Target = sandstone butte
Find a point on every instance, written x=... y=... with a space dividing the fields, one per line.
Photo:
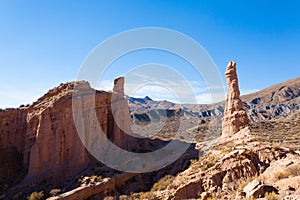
x=235 y=117
x=45 y=135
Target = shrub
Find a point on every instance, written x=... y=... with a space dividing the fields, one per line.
x=271 y=196
x=294 y=170
x=54 y=192
x=148 y=196
x=36 y=196
x=242 y=185
x=282 y=175
x=209 y=160
x=95 y=179
x=250 y=198
x=163 y=183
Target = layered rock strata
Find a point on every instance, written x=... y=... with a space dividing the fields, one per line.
x=45 y=134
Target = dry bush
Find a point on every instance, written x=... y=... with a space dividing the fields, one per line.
x=282 y=175
x=148 y=196
x=36 y=196
x=54 y=192
x=243 y=184
x=294 y=170
x=271 y=196
x=163 y=183
x=96 y=179
x=209 y=160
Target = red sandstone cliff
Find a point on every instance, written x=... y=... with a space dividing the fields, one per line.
x=45 y=135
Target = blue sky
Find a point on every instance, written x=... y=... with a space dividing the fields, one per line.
x=43 y=43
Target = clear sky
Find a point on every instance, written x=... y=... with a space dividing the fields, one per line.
x=43 y=43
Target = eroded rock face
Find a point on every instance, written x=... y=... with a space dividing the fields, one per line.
x=235 y=117
x=45 y=134
x=119 y=85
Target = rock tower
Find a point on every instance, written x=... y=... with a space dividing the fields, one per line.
x=235 y=117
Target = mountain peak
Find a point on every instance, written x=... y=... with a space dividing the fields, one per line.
x=147 y=98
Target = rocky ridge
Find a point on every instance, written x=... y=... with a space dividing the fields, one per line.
x=237 y=166
x=41 y=148
x=242 y=165
x=45 y=135
x=201 y=121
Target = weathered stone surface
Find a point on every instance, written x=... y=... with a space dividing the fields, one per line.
x=255 y=188
x=119 y=85
x=44 y=133
x=235 y=117
x=192 y=189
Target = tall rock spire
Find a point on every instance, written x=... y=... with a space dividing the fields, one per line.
x=119 y=85
x=235 y=117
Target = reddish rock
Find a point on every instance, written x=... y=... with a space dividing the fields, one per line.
x=45 y=133
x=119 y=85
x=235 y=117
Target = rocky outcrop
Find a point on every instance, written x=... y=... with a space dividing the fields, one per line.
x=44 y=133
x=235 y=117
x=119 y=85
x=237 y=168
x=201 y=121
x=121 y=116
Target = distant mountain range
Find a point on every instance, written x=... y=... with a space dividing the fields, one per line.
x=280 y=100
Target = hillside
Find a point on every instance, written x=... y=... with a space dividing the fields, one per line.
x=43 y=157
x=201 y=121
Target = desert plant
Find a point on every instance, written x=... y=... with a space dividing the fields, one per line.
x=163 y=183
x=243 y=184
x=36 y=196
x=148 y=196
x=54 y=192
x=294 y=170
x=95 y=179
x=282 y=174
x=271 y=196
x=250 y=198
x=211 y=198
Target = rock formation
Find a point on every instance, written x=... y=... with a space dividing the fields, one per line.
x=235 y=117
x=119 y=85
x=44 y=133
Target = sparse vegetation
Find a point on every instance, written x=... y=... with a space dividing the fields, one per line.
x=251 y=198
x=96 y=179
x=242 y=185
x=54 y=192
x=245 y=182
x=211 y=198
x=163 y=183
x=294 y=170
x=36 y=196
x=209 y=160
x=282 y=175
x=148 y=196
x=271 y=196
